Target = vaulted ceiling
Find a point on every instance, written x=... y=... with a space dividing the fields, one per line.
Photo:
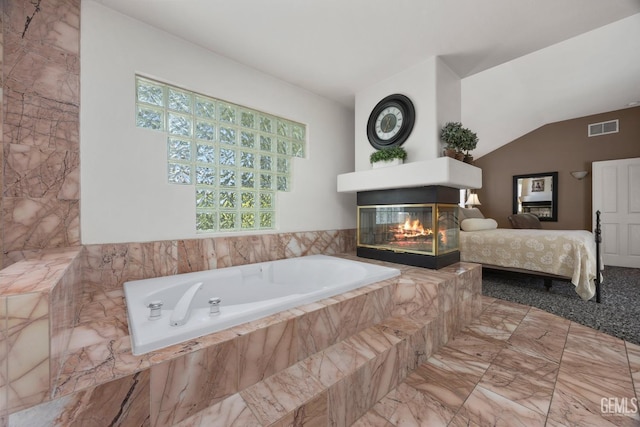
x=336 y=48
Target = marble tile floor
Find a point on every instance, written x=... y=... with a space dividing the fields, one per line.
x=519 y=366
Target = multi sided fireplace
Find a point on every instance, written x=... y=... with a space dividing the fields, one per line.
x=412 y=226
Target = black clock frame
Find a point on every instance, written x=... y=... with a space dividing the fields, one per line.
x=405 y=105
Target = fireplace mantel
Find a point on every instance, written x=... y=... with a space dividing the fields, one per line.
x=440 y=171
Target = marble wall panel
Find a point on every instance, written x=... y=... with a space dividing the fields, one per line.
x=231 y=412
x=341 y=317
x=317 y=329
x=309 y=243
x=412 y=333
x=433 y=336
x=417 y=295
x=63 y=307
x=280 y=394
x=110 y=265
x=354 y=314
x=386 y=373
x=335 y=363
x=196 y=255
x=43 y=57
x=240 y=250
x=40 y=129
x=193 y=382
x=27 y=343
x=266 y=351
x=40 y=223
x=357 y=393
x=36 y=172
x=378 y=306
x=123 y=402
x=41 y=122
x=311 y=414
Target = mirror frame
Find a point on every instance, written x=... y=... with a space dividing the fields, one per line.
x=554 y=193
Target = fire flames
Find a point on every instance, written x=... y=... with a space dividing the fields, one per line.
x=411 y=229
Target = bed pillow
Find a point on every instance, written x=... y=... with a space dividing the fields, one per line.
x=478 y=224
x=464 y=213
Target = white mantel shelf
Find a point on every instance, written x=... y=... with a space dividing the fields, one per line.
x=440 y=171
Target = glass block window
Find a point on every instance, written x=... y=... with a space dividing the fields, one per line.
x=235 y=157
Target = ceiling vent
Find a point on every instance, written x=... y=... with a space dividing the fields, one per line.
x=603 y=128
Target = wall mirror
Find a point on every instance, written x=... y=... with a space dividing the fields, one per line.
x=536 y=193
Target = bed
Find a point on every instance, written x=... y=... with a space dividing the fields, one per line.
x=571 y=255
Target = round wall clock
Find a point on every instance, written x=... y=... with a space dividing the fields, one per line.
x=391 y=121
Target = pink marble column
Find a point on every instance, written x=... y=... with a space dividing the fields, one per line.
x=41 y=78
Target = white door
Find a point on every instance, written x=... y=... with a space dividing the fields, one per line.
x=616 y=194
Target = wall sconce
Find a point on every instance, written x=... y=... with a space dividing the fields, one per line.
x=579 y=174
x=472 y=200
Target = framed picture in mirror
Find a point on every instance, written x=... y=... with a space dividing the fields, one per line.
x=536 y=193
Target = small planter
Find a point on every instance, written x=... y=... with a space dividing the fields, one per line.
x=390 y=156
x=386 y=163
x=450 y=153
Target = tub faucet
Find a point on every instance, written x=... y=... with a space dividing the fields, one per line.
x=214 y=306
x=155 y=310
x=182 y=309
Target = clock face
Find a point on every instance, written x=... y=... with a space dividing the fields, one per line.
x=391 y=122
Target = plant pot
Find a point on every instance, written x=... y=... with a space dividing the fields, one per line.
x=459 y=156
x=450 y=153
x=468 y=158
x=385 y=163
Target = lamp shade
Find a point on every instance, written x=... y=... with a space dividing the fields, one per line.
x=473 y=200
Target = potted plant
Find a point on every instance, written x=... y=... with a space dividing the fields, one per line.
x=452 y=135
x=388 y=156
x=469 y=142
x=460 y=141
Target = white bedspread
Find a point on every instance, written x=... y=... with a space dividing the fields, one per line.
x=567 y=253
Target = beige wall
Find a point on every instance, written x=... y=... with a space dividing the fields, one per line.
x=562 y=147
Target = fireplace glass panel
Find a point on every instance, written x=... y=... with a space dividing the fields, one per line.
x=428 y=229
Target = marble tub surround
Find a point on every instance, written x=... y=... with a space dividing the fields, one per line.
x=96 y=274
x=517 y=365
x=38 y=310
x=338 y=385
x=267 y=345
x=99 y=350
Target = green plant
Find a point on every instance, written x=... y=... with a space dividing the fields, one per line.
x=388 y=153
x=458 y=138
x=469 y=141
x=452 y=135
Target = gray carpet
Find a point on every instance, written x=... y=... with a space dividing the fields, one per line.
x=618 y=314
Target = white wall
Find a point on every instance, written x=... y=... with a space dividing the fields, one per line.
x=435 y=92
x=557 y=83
x=124 y=191
x=448 y=98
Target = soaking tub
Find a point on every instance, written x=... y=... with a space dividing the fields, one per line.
x=168 y=310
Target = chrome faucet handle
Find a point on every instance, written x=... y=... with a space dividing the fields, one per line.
x=155 y=311
x=214 y=306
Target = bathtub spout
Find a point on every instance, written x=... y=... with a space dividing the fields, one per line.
x=182 y=309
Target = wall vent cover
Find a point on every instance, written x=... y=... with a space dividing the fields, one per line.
x=603 y=128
